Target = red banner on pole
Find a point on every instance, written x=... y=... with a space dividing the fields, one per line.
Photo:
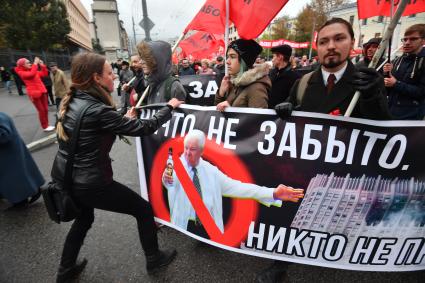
x=201 y=45
x=251 y=17
x=211 y=18
x=371 y=8
x=277 y=42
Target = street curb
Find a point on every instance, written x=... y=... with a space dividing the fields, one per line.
x=41 y=142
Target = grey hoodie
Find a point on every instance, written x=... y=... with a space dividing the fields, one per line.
x=161 y=53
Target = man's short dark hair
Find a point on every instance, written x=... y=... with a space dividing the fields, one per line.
x=337 y=21
x=419 y=28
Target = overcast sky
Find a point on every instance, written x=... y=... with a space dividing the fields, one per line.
x=172 y=16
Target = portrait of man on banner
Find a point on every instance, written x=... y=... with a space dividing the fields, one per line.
x=211 y=184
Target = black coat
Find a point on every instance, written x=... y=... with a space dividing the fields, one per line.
x=99 y=127
x=407 y=96
x=282 y=82
x=139 y=84
x=5 y=76
x=316 y=98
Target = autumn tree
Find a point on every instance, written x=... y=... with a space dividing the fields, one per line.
x=37 y=24
x=313 y=16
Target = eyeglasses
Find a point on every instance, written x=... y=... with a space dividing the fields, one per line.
x=405 y=39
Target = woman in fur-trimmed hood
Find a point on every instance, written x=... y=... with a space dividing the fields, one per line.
x=157 y=67
x=245 y=86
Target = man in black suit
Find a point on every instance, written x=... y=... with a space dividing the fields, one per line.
x=329 y=90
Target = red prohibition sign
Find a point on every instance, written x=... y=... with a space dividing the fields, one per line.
x=243 y=211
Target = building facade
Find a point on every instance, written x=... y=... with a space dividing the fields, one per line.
x=363 y=206
x=233 y=33
x=366 y=29
x=108 y=27
x=78 y=17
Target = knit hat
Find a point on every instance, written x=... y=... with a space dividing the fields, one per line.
x=247 y=49
x=21 y=62
x=283 y=49
x=375 y=40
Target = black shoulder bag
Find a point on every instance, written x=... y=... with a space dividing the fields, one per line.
x=58 y=197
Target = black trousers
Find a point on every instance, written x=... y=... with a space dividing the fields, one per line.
x=116 y=198
x=50 y=92
x=19 y=88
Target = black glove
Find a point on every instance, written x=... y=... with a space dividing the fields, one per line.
x=284 y=110
x=368 y=81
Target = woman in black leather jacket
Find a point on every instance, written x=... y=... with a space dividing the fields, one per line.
x=93 y=184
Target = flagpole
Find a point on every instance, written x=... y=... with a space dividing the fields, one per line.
x=177 y=42
x=226 y=37
x=388 y=33
x=391 y=38
x=312 y=38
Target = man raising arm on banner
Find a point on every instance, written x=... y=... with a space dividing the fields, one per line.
x=211 y=185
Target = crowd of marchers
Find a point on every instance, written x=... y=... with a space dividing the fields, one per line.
x=396 y=91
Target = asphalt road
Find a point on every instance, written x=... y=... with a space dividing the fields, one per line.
x=31 y=244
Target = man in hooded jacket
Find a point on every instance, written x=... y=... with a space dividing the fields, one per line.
x=156 y=64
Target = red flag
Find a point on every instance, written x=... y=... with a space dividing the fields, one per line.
x=371 y=8
x=211 y=18
x=251 y=17
x=201 y=45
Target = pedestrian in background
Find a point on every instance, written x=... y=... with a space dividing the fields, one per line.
x=125 y=76
x=20 y=179
x=37 y=92
x=47 y=81
x=93 y=185
x=5 y=77
x=60 y=83
x=18 y=82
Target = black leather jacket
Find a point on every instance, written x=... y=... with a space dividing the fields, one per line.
x=99 y=127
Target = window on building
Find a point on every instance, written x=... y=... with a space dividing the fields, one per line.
x=412 y=15
x=351 y=20
x=380 y=19
x=364 y=22
x=378 y=34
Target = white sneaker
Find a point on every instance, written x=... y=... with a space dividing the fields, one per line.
x=49 y=129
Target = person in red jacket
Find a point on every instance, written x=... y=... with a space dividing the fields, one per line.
x=36 y=90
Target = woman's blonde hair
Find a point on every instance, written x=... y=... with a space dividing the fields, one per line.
x=206 y=62
x=83 y=68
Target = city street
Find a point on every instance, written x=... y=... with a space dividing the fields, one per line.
x=30 y=243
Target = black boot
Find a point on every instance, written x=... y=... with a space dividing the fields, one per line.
x=69 y=273
x=275 y=273
x=160 y=259
x=35 y=197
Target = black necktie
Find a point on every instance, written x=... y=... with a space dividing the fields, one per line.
x=331 y=83
x=197 y=186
